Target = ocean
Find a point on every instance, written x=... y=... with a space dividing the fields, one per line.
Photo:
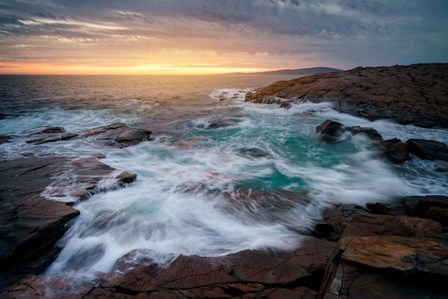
x=219 y=175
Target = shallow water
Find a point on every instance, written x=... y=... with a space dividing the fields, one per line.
x=219 y=176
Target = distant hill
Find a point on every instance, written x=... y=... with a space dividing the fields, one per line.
x=300 y=72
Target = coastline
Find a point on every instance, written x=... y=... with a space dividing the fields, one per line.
x=343 y=253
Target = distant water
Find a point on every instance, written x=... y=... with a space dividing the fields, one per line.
x=206 y=155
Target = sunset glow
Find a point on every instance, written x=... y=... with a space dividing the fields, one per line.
x=213 y=37
x=148 y=69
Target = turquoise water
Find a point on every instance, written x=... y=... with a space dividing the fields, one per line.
x=219 y=176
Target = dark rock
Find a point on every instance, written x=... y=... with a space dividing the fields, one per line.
x=117 y=135
x=27 y=220
x=5 y=139
x=395 y=150
x=53 y=137
x=330 y=131
x=412 y=94
x=30 y=225
x=369 y=132
x=253 y=152
x=47 y=130
x=220 y=124
x=428 y=149
x=379 y=208
x=431 y=206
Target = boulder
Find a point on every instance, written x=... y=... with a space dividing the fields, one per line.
x=253 y=152
x=330 y=131
x=395 y=150
x=428 y=149
x=369 y=132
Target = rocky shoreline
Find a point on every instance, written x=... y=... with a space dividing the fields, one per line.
x=397 y=249
x=30 y=224
x=413 y=94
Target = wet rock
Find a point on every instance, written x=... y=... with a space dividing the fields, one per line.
x=395 y=150
x=220 y=124
x=53 y=137
x=353 y=281
x=388 y=267
x=369 y=132
x=117 y=135
x=253 y=152
x=131 y=260
x=47 y=130
x=431 y=206
x=330 y=131
x=412 y=94
x=84 y=177
x=428 y=149
x=271 y=206
x=246 y=274
x=350 y=220
x=51 y=287
x=30 y=224
x=392 y=208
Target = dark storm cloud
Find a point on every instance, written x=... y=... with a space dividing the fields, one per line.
x=348 y=32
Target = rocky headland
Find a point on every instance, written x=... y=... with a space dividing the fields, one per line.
x=414 y=94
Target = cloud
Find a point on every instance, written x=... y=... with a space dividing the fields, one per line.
x=343 y=33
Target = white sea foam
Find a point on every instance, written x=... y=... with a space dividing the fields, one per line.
x=180 y=203
x=230 y=94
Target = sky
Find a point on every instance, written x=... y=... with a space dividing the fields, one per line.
x=217 y=36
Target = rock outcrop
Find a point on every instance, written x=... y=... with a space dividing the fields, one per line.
x=246 y=274
x=30 y=224
x=394 y=149
x=386 y=250
x=116 y=135
x=428 y=149
x=414 y=94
